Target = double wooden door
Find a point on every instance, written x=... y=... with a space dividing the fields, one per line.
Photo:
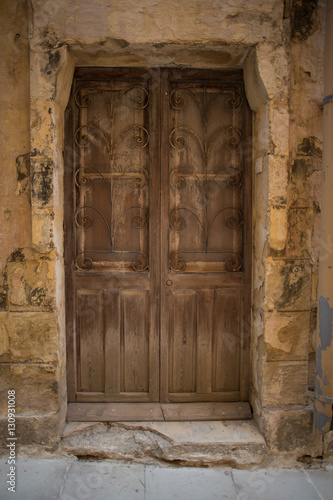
x=158 y=236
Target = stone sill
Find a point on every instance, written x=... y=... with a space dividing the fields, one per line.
x=206 y=443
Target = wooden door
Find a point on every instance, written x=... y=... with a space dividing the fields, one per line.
x=206 y=214
x=113 y=265
x=158 y=247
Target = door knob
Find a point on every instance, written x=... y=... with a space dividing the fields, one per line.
x=168 y=282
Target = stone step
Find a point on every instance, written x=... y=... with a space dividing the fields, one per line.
x=207 y=443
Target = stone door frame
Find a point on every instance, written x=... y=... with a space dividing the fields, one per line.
x=51 y=79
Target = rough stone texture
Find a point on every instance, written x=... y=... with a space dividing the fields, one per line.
x=41 y=432
x=15 y=214
x=28 y=337
x=328 y=444
x=35 y=385
x=280 y=46
x=154 y=22
x=306 y=174
x=278 y=180
x=304 y=199
x=288 y=285
x=278 y=232
x=30 y=283
x=284 y=383
x=286 y=336
x=291 y=432
x=32 y=346
x=191 y=443
x=304 y=20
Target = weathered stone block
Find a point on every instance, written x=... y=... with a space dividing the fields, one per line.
x=274 y=71
x=284 y=383
x=278 y=228
x=4 y=337
x=3 y=297
x=41 y=182
x=31 y=284
x=28 y=337
x=303 y=19
x=305 y=174
x=193 y=443
x=279 y=123
x=42 y=126
x=325 y=248
x=172 y=21
x=313 y=329
x=291 y=431
x=288 y=284
x=41 y=87
x=42 y=228
x=15 y=223
x=278 y=179
x=287 y=336
x=23 y=175
x=312 y=371
x=261 y=128
x=328 y=444
x=35 y=385
x=33 y=431
x=300 y=225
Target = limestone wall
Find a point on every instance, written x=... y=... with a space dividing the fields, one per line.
x=28 y=323
x=280 y=46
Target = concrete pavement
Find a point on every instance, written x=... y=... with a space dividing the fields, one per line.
x=72 y=479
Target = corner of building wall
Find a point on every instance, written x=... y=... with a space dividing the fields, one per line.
x=287 y=153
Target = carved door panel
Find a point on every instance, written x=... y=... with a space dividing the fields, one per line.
x=206 y=224
x=158 y=248
x=113 y=330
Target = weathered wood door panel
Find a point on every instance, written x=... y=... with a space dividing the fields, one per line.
x=158 y=204
x=113 y=263
x=204 y=345
x=113 y=344
x=206 y=179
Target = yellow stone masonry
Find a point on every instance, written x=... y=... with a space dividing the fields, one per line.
x=42 y=42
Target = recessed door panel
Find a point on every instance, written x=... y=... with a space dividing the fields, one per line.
x=90 y=341
x=183 y=341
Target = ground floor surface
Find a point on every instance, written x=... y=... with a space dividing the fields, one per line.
x=73 y=479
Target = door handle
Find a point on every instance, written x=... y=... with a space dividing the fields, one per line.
x=168 y=282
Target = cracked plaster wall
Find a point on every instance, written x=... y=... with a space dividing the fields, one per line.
x=280 y=46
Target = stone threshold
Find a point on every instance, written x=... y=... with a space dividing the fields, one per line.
x=132 y=412
x=237 y=444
